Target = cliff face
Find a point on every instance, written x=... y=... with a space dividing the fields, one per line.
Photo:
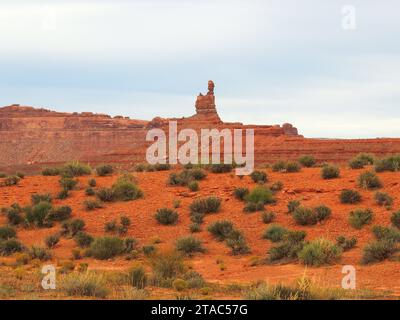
x=31 y=138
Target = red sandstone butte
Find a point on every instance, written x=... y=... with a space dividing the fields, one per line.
x=32 y=138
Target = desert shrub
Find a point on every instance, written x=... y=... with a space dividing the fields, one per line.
x=275 y=233
x=52 y=240
x=166 y=216
x=221 y=229
x=59 y=213
x=71 y=228
x=110 y=226
x=307 y=161
x=41 y=253
x=386 y=233
x=279 y=166
x=37 y=214
x=295 y=236
x=388 y=164
x=168 y=265
x=184 y=177
x=92 y=204
x=259 y=176
x=176 y=203
x=125 y=191
x=76 y=169
x=360 y=217
x=356 y=163
x=104 y=248
x=63 y=194
x=85 y=284
x=395 y=219
x=194 y=227
x=7 y=233
x=179 y=284
x=10 y=246
x=125 y=221
x=220 y=167
x=140 y=167
x=196 y=173
x=267 y=217
x=276 y=186
x=206 y=205
x=129 y=244
x=279 y=292
x=104 y=170
x=260 y=194
x=50 y=171
x=197 y=217
x=68 y=183
x=11 y=181
x=148 y=249
x=293 y=205
x=189 y=245
x=293 y=242
x=92 y=183
x=330 y=172
x=162 y=166
x=14 y=214
x=37 y=197
x=345 y=243
x=137 y=277
x=292 y=167
x=240 y=193
x=237 y=243
x=20 y=175
x=253 y=207
x=105 y=194
x=194 y=279
x=369 y=180
x=193 y=186
x=320 y=252
x=305 y=216
x=378 y=251
x=90 y=191
x=83 y=239
x=383 y=199
x=322 y=212
x=350 y=196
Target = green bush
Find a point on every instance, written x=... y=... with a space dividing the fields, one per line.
x=322 y=212
x=360 y=217
x=50 y=171
x=90 y=192
x=356 y=163
x=83 y=239
x=52 y=240
x=104 y=248
x=92 y=204
x=237 y=243
x=369 y=180
x=221 y=168
x=149 y=249
x=166 y=216
x=71 y=228
x=253 y=207
x=378 y=251
x=388 y=164
x=125 y=221
x=307 y=161
x=92 y=183
x=292 y=167
x=221 y=230
x=105 y=194
x=197 y=217
x=137 y=277
x=168 y=265
x=68 y=183
x=162 y=167
x=275 y=233
x=279 y=166
x=276 y=186
x=383 y=199
x=320 y=252
x=350 y=196
x=386 y=233
x=186 y=176
x=260 y=194
x=110 y=226
x=37 y=197
x=293 y=205
x=293 y=242
x=206 y=205
x=305 y=216
x=189 y=245
x=345 y=243
x=330 y=172
x=10 y=246
x=395 y=219
x=7 y=233
x=59 y=213
x=126 y=191
x=75 y=169
x=194 y=227
x=63 y=194
x=37 y=214
x=43 y=254
x=267 y=217
x=259 y=176
x=84 y=284
x=193 y=186
x=240 y=193
x=14 y=214
x=11 y=181
x=104 y=170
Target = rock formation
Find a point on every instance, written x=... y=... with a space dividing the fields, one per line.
x=31 y=138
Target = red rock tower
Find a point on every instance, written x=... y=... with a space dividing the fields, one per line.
x=205 y=105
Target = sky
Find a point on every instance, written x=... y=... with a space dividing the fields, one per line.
x=272 y=61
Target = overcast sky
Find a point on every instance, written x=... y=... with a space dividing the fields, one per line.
x=272 y=61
